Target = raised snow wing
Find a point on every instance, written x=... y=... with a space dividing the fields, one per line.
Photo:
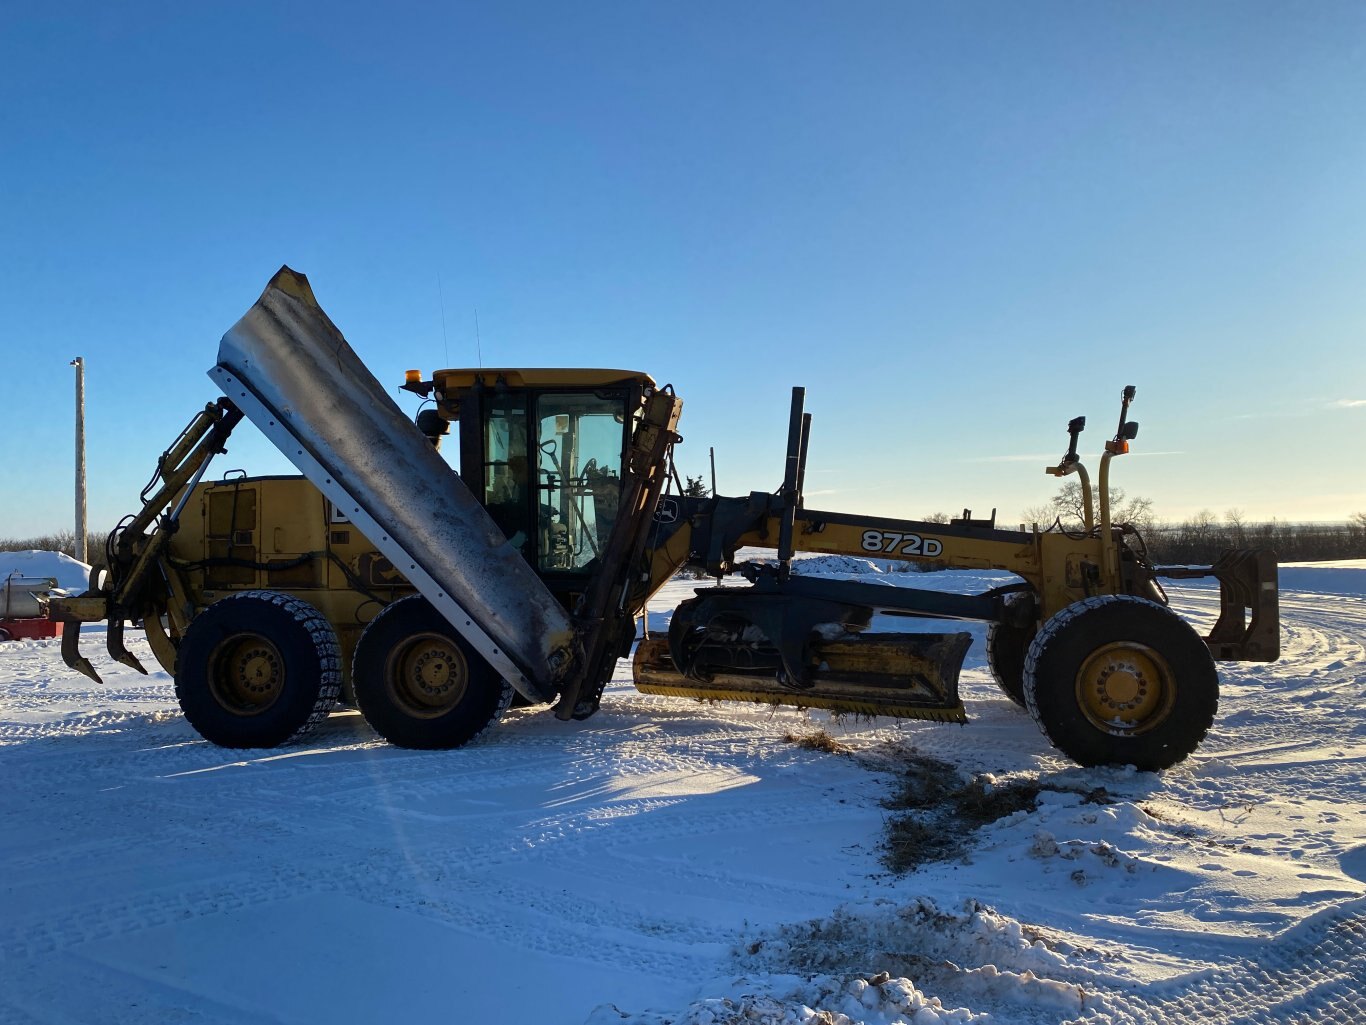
x=293 y=374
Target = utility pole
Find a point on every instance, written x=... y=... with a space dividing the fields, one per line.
x=79 y=364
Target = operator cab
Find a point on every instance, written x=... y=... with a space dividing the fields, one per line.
x=542 y=449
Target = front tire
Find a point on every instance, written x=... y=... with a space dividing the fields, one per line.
x=257 y=669
x=420 y=684
x=1121 y=680
x=1007 y=648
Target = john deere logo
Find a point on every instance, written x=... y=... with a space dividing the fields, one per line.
x=667 y=511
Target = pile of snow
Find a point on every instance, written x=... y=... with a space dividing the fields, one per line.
x=826 y=565
x=69 y=574
x=798 y=1000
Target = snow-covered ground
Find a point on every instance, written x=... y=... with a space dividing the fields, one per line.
x=675 y=862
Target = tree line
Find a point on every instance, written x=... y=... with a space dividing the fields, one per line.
x=63 y=541
x=1201 y=538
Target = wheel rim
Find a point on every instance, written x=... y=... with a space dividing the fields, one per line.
x=1125 y=688
x=427 y=675
x=247 y=674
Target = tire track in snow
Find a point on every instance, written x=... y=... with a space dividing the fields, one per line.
x=577 y=835
x=1312 y=973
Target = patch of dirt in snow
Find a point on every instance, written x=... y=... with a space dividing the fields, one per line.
x=942 y=811
x=817 y=740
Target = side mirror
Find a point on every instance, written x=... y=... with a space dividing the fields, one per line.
x=1129 y=431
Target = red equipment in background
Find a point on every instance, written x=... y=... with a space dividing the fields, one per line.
x=23 y=616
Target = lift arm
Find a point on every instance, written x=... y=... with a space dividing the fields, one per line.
x=133 y=590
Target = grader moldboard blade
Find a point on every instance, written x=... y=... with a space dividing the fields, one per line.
x=903 y=675
x=288 y=368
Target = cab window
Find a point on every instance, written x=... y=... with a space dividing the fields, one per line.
x=507 y=482
x=580 y=439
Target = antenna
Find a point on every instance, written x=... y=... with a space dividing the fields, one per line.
x=441 y=293
x=478 y=342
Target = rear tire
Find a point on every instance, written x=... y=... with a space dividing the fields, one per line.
x=1007 y=648
x=420 y=684
x=257 y=669
x=1121 y=680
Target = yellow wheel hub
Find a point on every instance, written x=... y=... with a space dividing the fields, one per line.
x=247 y=674
x=427 y=674
x=1125 y=688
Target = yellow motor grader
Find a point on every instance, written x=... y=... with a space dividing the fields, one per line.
x=431 y=599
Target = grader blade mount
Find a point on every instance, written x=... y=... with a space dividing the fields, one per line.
x=791 y=640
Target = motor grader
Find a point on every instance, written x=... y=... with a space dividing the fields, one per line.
x=430 y=599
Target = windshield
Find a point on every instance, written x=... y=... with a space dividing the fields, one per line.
x=580 y=439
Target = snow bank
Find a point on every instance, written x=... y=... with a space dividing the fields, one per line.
x=1346 y=576
x=69 y=574
x=824 y=565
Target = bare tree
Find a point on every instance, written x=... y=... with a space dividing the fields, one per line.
x=1067 y=508
x=1236 y=526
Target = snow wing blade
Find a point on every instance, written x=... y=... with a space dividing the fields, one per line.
x=293 y=374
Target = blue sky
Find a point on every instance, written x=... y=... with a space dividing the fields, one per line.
x=957 y=224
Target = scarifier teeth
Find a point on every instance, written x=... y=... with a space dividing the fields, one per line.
x=131 y=661
x=82 y=665
x=117 y=650
x=71 y=652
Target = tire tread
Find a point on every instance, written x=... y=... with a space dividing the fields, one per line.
x=324 y=640
x=1060 y=624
